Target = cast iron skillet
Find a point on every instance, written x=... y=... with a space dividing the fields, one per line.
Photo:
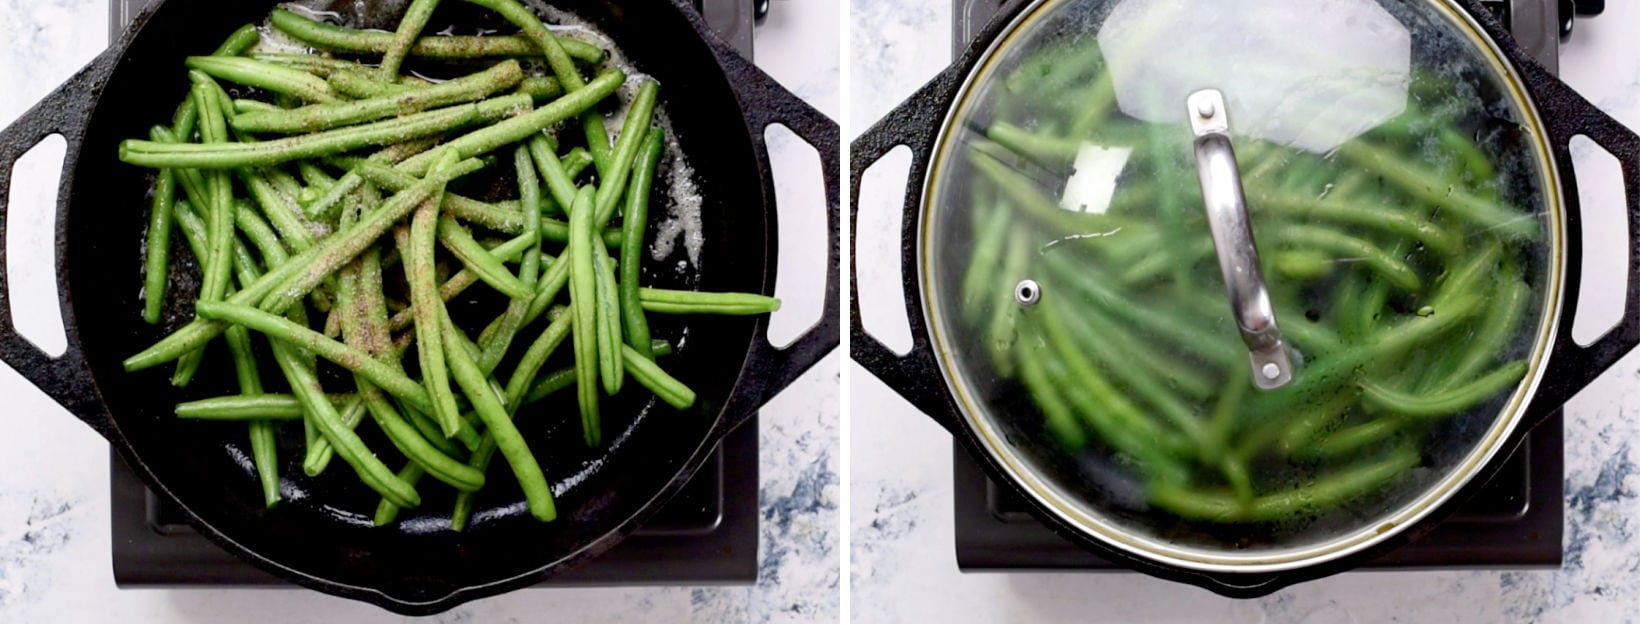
x=321 y=535
x=916 y=375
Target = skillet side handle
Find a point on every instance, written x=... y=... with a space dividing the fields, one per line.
x=916 y=375
x=1567 y=114
x=769 y=369
x=66 y=111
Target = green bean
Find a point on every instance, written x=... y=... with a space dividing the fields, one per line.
x=360 y=85
x=565 y=377
x=240 y=41
x=415 y=126
x=477 y=259
x=1304 y=265
x=1049 y=151
x=429 y=308
x=216 y=265
x=1467 y=278
x=314 y=176
x=320 y=451
x=985 y=258
x=1190 y=338
x=291 y=279
x=243 y=407
x=537 y=494
x=1474 y=161
x=663 y=301
x=635 y=217
x=552 y=170
x=280 y=212
x=614 y=178
x=347 y=444
x=576 y=160
x=265 y=457
x=434 y=434
x=583 y=298
x=669 y=389
x=264 y=453
x=562 y=67
x=460 y=282
x=259 y=234
x=1326 y=491
x=158 y=254
x=1340 y=368
x=1386 y=265
x=518 y=128
x=322 y=66
x=1136 y=365
x=514 y=396
x=558 y=232
x=1157 y=458
x=608 y=329
x=416 y=448
x=1059 y=419
x=365 y=309
x=353 y=359
x=540 y=87
x=1495 y=330
x=496 y=344
x=488 y=215
x=1025 y=194
x=395 y=153
x=1298 y=433
x=1116 y=413
x=410 y=25
x=1385 y=219
x=535 y=357
x=315 y=265
x=318 y=117
x=1095 y=110
x=1216 y=442
x=1310 y=336
x=386 y=511
x=269 y=76
x=551 y=383
x=529 y=196
x=1351 y=440
x=196 y=234
x=1120 y=365
x=1443 y=403
x=1460 y=202
x=338 y=39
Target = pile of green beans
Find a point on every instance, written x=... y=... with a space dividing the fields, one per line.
x=299 y=205
x=1399 y=275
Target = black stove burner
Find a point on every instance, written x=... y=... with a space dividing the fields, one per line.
x=706 y=536
x=1513 y=521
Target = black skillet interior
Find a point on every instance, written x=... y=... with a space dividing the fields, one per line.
x=321 y=534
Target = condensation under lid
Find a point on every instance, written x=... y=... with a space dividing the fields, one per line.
x=1407 y=226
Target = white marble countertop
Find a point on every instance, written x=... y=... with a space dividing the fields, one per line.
x=54 y=509
x=903 y=564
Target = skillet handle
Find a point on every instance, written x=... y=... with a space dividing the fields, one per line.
x=1567 y=114
x=769 y=369
x=66 y=111
x=916 y=375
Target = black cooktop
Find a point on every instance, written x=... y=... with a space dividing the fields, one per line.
x=1513 y=521
x=706 y=536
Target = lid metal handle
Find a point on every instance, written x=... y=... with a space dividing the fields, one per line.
x=1226 y=207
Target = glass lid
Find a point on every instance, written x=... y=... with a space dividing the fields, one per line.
x=1299 y=361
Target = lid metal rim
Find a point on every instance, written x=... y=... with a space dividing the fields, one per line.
x=1073 y=513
